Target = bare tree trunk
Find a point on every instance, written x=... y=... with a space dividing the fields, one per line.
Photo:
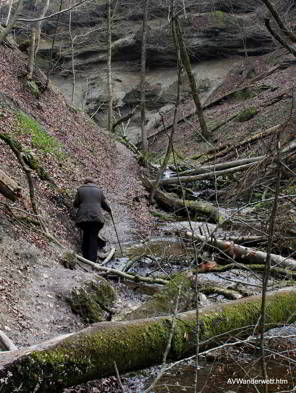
x=109 y=66
x=9 y=12
x=267 y=270
x=52 y=45
x=39 y=26
x=12 y=21
x=90 y=354
x=192 y=82
x=170 y=142
x=279 y=21
x=143 y=77
x=72 y=58
x=279 y=38
x=32 y=54
x=208 y=175
x=16 y=148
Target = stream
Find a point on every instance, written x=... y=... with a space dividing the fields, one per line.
x=235 y=369
x=238 y=373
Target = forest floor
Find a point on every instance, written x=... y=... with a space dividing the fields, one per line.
x=32 y=280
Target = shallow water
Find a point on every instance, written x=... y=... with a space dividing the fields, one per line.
x=240 y=375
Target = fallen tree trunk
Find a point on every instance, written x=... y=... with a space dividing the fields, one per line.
x=79 y=357
x=222 y=150
x=200 y=208
x=208 y=175
x=8 y=187
x=277 y=272
x=217 y=167
x=250 y=254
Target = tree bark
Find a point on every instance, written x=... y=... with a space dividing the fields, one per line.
x=224 y=165
x=8 y=187
x=49 y=69
x=109 y=66
x=89 y=354
x=208 y=175
x=72 y=39
x=36 y=36
x=104 y=269
x=250 y=254
x=279 y=21
x=5 y=343
x=31 y=64
x=192 y=82
x=143 y=78
x=11 y=22
x=202 y=208
x=17 y=150
x=284 y=43
x=9 y=12
x=177 y=103
x=224 y=149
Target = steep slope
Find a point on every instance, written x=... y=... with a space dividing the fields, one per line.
x=68 y=146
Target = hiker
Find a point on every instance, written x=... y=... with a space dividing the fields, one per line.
x=90 y=201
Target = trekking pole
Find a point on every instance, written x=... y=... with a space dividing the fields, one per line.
x=116 y=234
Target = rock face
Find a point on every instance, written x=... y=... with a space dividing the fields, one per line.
x=212 y=30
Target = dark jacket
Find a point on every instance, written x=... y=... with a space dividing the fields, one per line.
x=90 y=201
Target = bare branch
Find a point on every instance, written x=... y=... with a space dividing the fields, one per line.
x=52 y=15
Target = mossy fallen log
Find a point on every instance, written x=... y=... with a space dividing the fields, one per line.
x=79 y=357
x=200 y=208
x=195 y=208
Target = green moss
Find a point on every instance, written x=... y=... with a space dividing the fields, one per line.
x=243 y=94
x=244 y=315
x=163 y=302
x=69 y=260
x=291 y=189
x=162 y=216
x=246 y=114
x=219 y=16
x=40 y=138
x=139 y=344
x=32 y=85
x=92 y=300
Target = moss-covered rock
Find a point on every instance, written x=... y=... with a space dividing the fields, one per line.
x=247 y=114
x=69 y=260
x=93 y=300
x=164 y=301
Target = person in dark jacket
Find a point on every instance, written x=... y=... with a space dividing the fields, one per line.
x=90 y=202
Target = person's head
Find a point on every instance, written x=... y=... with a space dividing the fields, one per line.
x=88 y=180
